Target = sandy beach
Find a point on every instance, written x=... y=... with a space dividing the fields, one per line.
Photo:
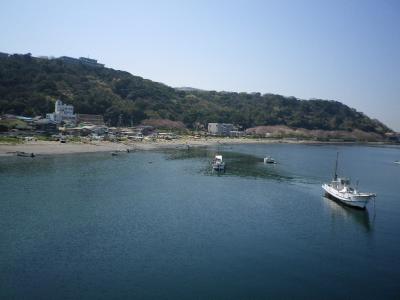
x=51 y=148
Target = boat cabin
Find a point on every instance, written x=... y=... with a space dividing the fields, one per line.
x=342 y=184
x=218 y=158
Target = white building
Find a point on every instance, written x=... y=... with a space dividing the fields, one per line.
x=220 y=128
x=62 y=113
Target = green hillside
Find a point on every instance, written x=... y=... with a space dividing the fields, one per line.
x=29 y=86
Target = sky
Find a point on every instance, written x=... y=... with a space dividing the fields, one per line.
x=347 y=51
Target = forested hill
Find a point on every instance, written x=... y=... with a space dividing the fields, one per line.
x=29 y=86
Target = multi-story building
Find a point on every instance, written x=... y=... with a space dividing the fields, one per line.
x=62 y=113
x=220 y=128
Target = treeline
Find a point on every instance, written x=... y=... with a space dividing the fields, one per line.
x=29 y=86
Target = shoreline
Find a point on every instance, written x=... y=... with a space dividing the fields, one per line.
x=53 y=148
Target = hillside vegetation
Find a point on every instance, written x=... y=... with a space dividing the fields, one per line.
x=29 y=86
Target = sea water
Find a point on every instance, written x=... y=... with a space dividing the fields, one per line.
x=163 y=225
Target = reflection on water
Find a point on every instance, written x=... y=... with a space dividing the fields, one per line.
x=341 y=212
x=237 y=164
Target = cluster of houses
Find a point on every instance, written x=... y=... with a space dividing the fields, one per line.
x=63 y=122
x=102 y=132
x=92 y=126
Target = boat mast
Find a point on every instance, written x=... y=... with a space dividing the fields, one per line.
x=336 y=166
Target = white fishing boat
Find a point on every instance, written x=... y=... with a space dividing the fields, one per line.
x=340 y=189
x=269 y=160
x=218 y=164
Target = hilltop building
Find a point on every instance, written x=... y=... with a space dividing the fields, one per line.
x=90 y=62
x=82 y=60
x=62 y=113
x=70 y=60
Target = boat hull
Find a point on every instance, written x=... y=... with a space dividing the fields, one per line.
x=269 y=160
x=218 y=167
x=359 y=201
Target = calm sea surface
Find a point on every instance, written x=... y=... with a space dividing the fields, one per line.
x=163 y=225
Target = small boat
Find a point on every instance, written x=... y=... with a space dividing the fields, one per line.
x=269 y=160
x=340 y=189
x=25 y=154
x=115 y=153
x=218 y=164
x=397 y=162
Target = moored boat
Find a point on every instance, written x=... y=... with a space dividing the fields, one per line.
x=218 y=164
x=269 y=160
x=341 y=190
x=25 y=154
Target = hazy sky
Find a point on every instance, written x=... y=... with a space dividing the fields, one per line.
x=342 y=50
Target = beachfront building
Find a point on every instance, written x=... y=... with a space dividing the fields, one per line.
x=62 y=113
x=45 y=126
x=220 y=128
x=236 y=133
x=86 y=130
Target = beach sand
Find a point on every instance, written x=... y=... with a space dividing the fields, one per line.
x=50 y=147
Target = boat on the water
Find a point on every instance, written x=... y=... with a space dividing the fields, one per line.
x=25 y=154
x=397 y=162
x=340 y=189
x=269 y=160
x=218 y=164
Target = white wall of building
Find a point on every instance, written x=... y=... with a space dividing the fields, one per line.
x=62 y=112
